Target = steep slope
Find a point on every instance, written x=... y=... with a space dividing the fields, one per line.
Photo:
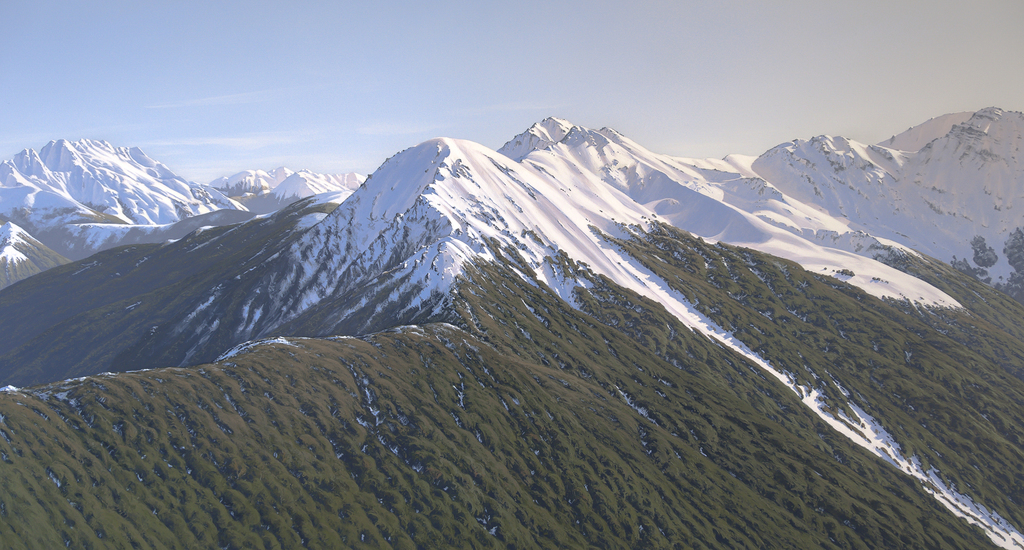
x=916 y=137
x=410 y=244
x=110 y=301
x=22 y=256
x=546 y=429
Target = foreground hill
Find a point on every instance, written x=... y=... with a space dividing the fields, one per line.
x=525 y=414
x=536 y=425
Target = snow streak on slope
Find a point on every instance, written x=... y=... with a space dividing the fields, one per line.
x=408 y=233
x=861 y=429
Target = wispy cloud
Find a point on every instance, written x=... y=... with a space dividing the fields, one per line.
x=243 y=98
x=392 y=129
x=257 y=140
x=518 y=106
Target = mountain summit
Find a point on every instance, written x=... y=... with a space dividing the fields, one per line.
x=265 y=192
x=572 y=341
x=118 y=184
x=933 y=200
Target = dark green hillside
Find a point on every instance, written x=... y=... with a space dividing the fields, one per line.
x=611 y=425
x=85 y=314
x=945 y=383
x=551 y=429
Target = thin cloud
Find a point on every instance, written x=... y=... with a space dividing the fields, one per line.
x=389 y=129
x=247 y=141
x=243 y=98
x=510 y=108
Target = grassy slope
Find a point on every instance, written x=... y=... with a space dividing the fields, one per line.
x=534 y=429
x=944 y=382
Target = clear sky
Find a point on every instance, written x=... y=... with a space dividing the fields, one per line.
x=212 y=88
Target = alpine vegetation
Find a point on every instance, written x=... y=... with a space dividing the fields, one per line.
x=570 y=341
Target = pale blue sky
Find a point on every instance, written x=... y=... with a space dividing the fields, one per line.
x=333 y=87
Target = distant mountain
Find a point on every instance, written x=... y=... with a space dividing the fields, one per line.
x=264 y=192
x=78 y=197
x=559 y=343
x=103 y=182
x=962 y=184
x=22 y=256
x=251 y=182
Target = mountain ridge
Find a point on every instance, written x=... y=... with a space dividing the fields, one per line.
x=540 y=259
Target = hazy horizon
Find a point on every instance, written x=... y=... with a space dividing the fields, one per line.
x=212 y=90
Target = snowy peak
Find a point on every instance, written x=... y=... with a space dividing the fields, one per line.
x=11 y=235
x=962 y=182
x=251 y=182
x=431 y=208
x=989 y=135
x=63 y=156
x=304 y=183
x=286 y=184
x=114 y=183
x=916 y=137
x=540 y=136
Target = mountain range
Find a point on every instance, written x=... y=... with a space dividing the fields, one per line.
x=568 y=341
x=264 y=192
x=80 y=197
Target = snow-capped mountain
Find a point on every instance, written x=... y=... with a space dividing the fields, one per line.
x=264 y=192
x=103 y=182
x=935 y=199
x=251 y=182
x=720 y=200
x=916 y=137
x=573 y=213
x=79 y=197
x=22 y=256
x=304 y=184
x=930 y=189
